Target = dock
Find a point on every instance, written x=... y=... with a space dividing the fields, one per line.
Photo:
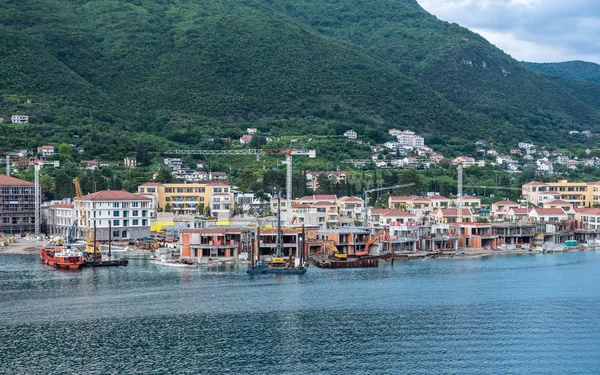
x=106 y=263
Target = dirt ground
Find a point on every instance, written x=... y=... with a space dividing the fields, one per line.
x=23 y=246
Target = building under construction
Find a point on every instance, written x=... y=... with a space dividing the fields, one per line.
x=17 y=205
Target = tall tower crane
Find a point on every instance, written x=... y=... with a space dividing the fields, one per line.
x=289 y=154
x=88 y=233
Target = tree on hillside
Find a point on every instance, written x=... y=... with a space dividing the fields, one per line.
x=164 y=175
x=407 y=177
x=325 y=184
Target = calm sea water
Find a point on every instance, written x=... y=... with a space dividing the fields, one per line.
x=527 y=314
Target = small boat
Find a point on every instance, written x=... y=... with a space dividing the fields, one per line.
x=59 y=257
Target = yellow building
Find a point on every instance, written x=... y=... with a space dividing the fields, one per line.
x=579 y=194
x=189 y=198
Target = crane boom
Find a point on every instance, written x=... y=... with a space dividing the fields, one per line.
x=366 y=192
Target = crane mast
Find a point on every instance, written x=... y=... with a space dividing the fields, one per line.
x=88 y=233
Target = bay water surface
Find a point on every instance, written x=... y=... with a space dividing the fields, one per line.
x=520 y=314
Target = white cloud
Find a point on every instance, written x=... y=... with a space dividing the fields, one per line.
x=531 y=30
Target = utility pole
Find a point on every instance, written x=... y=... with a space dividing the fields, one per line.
x=37 y=197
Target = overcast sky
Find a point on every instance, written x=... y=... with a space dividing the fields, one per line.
x=529 y=30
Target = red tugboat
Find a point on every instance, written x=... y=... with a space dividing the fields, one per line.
x=59 y=257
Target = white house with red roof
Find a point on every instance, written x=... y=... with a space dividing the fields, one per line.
x=389 y=216
x=589 y=218
x=46 y=151
x=19 y=119
x=350 y=208
x=126 y=214
x=450 y=215
x=546 y=215
x=518 y=214
x=500 y=209
x=468 y=201
x=439 y=201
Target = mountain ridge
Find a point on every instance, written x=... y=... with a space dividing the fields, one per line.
x=184 y=70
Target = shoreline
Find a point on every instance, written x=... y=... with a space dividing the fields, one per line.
x=33 y=247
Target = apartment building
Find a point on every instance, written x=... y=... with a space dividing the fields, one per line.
x=350 y=208
x=60 y=219
x=378 y=217
x=127 y=215
x=17 y=205
x=190 y=198
x=336 y=177
x=580 y=194
x=418 y=206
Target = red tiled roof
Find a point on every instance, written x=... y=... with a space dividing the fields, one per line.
x=218 y=173
x=409 y=198
x=588 y=211
x=324 y=196
x=470 y=198
x=390 y=212
x=151 y=184
x=63 y=205
x=323 y=204
x=437 y=197
x=350 y=199
x=11 y=181
x=594 y=183
x=558 y=201
x=520 y=211
x=113 y=195
x=549 y=211
x=506 y=203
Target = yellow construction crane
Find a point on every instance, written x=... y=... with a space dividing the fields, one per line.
x=88 y=233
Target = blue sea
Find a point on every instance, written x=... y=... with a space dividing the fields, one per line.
x=516 y=314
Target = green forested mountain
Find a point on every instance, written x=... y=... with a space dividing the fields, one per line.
x=579 y=70
x=131 y=74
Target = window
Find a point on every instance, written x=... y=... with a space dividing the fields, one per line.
x=217 y=206
x=125 y=223
x=168 y=199
x=116 y=223
x=226 y=190
x=144 y=213
x=135 y=222
x=135 y=204
x=168 y=190
x=144 y=222
x=116 y=213
x=218 y=190
x=125 y=213
x=115 y=204
x=180 y=190
x=115 y=233
x=134 y=213
x=189 y=190
x=124 y=234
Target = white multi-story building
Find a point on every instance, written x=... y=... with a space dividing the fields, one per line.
x=19 y=119
x=46 y=151
x=350 y=134
x=126 y=214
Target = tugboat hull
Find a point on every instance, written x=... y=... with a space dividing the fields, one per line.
x=56 y=258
